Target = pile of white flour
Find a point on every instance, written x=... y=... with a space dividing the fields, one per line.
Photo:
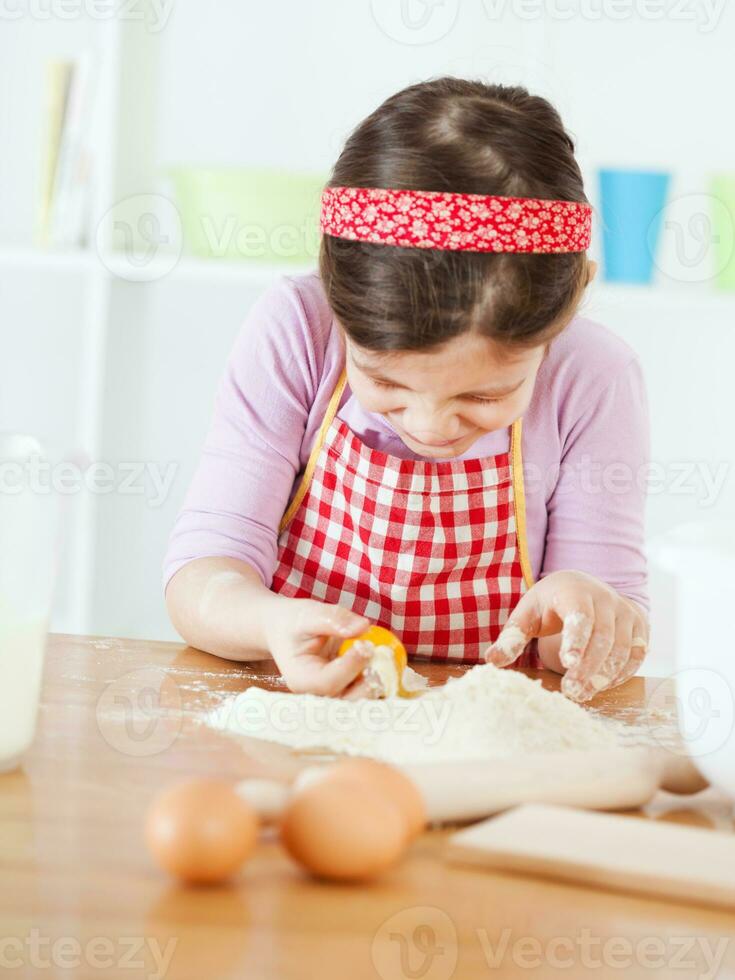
x=486 y=712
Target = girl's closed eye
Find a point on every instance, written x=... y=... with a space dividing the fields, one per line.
x=484 y=399
x=479 y=399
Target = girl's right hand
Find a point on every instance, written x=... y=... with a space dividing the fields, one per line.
x=303 y=638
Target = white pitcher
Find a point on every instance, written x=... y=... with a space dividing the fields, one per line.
x=699 y=559
x=28 y=528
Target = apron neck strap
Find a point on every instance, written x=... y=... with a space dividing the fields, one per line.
x=316 y=449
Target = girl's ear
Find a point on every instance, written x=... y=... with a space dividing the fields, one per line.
x=592 y=267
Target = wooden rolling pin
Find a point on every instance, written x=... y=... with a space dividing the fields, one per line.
x=610 y=779
x=613 y=779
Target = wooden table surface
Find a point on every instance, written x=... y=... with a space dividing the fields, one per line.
x=80 y=896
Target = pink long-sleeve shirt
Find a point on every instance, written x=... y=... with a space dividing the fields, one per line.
x=585 y=443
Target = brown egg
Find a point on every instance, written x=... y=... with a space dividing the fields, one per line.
x=392 y=782
x=343 y=829
x=201 y=831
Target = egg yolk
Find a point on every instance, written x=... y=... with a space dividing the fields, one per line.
x=379 y=636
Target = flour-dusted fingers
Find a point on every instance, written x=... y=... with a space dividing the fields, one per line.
x=633 y=665
x=304 y=641
x=339 y=678
x=603 y=633
x=320 y=619
x=509 y=645
x=602 y=675
x=554 y=604
x=314 y=675
x=359 y=689
x=577 y=613
x=638 y=648
x=523 y=624
x=362 y=686
x=579 y=681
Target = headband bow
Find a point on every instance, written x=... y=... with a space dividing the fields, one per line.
x=455 y=222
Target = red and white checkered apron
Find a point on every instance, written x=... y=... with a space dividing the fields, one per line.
x=429 y=550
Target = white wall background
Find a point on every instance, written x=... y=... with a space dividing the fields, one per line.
x=281 y=84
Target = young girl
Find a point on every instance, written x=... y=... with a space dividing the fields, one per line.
x=424 y=435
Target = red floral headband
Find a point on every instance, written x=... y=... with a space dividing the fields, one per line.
x=455 y=222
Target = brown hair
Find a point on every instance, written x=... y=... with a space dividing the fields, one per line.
x=451 y=134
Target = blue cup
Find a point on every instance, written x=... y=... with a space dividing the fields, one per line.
x=632 y=212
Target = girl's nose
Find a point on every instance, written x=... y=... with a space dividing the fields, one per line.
x=431 y=429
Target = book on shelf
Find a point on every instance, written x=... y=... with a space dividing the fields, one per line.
x=58 y=78
x=67 y=171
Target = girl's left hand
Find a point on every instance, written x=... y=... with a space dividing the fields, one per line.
x=604 y=635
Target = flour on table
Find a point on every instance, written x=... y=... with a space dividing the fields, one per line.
x=487 y=712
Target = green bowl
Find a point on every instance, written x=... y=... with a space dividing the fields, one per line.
x=252 y=215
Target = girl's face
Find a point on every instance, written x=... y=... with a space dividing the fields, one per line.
x=440 y=402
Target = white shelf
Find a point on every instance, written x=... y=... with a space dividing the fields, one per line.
x=46 y=259
x=658 y=295
x=187 y=267
x=198 y=269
